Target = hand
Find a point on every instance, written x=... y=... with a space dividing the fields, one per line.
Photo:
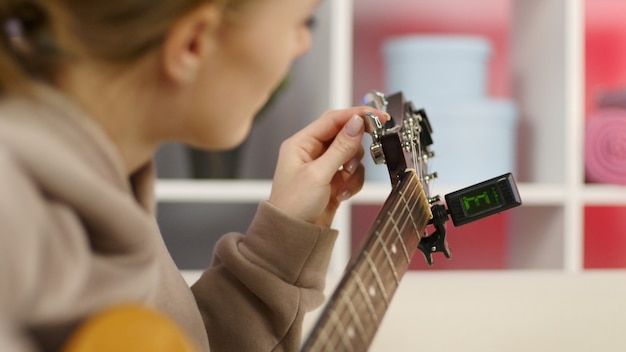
x=320 y=166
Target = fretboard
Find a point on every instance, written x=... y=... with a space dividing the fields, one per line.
x=355 y=310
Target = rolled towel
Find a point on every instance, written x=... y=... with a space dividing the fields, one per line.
x=605 y=147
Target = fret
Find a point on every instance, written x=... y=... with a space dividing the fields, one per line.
x=324 y=335
x=365 y=295
x=356 y=318
x=399 y=236
x=410 y=212
x=412 y=222
x=341 y=328
x=346 y=311
x=379 y=282
x=392 y=266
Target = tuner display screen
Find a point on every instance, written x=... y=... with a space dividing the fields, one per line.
x=483 y=199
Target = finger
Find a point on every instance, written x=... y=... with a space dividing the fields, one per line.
x=344 y=147
x=352 y=164
x=330 y=123
x=352 y=185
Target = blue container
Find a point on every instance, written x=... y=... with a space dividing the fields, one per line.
x=474 y=136
x=433 y=69
x=473 y=141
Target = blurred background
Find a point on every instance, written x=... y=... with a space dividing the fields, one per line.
x=526 y=75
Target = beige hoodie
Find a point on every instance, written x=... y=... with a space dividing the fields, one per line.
x=77 y=236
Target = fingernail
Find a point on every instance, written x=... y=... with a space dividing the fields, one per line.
x=354 y=126
x=344 y=195
x=351 y=165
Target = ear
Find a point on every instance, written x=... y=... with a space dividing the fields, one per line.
x=188 y=42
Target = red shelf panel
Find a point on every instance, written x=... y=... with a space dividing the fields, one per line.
x=605 y=49
x=605 y=71
x=605 y=237
x=479 y=245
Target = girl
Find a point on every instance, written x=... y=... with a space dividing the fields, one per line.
x=89 y=90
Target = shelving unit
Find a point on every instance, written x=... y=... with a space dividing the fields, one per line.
x=545 y=76
x=542 y=67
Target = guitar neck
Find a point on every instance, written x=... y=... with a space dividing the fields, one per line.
x=355 y=310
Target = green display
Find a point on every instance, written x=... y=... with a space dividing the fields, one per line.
x=480 y=200
x=483 y=199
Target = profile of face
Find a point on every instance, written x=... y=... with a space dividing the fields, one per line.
x=249 y=60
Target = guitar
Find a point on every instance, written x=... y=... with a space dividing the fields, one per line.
x=354 y=312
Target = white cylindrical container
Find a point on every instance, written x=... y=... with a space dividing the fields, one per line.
x=431 y=69
x=473 y=141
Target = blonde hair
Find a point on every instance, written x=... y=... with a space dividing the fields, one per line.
x=36 y=34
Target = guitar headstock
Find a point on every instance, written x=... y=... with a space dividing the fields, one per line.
x=404 y=141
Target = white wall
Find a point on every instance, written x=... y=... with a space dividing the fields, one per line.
x=505 y=311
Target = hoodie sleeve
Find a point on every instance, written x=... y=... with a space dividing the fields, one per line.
x=260 y=285
x=18 y=254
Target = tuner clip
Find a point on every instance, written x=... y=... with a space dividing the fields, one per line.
x=436 y=241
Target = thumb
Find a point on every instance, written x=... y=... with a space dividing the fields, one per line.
x=344 y=146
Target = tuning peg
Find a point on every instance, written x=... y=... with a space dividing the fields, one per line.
x=431 y=177
x=376 y=150
x=373 y=126
x=427 y=156
x=376 y=100
x=435 y=199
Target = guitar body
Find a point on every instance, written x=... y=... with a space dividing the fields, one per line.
x=129 y=328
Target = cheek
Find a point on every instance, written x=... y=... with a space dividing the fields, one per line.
x=271 y=60
x=230 y=97
x=208 y=120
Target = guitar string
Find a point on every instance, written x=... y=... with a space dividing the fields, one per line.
x=371 y=275
x=357 y=319
x=362 y=287
x=377 y=279
x=333 y=338
x=389 y=260
x=374 y=273
x=345 y=338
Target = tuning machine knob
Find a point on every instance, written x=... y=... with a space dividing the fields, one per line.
x=375 y=128
x=376 y=150
x=434 y=199
x=430 y=177
x=376 y=99
x=429 y=155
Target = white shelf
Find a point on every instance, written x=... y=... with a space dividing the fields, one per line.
x=212 y=191
x=233 y=191
x=606 y=195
